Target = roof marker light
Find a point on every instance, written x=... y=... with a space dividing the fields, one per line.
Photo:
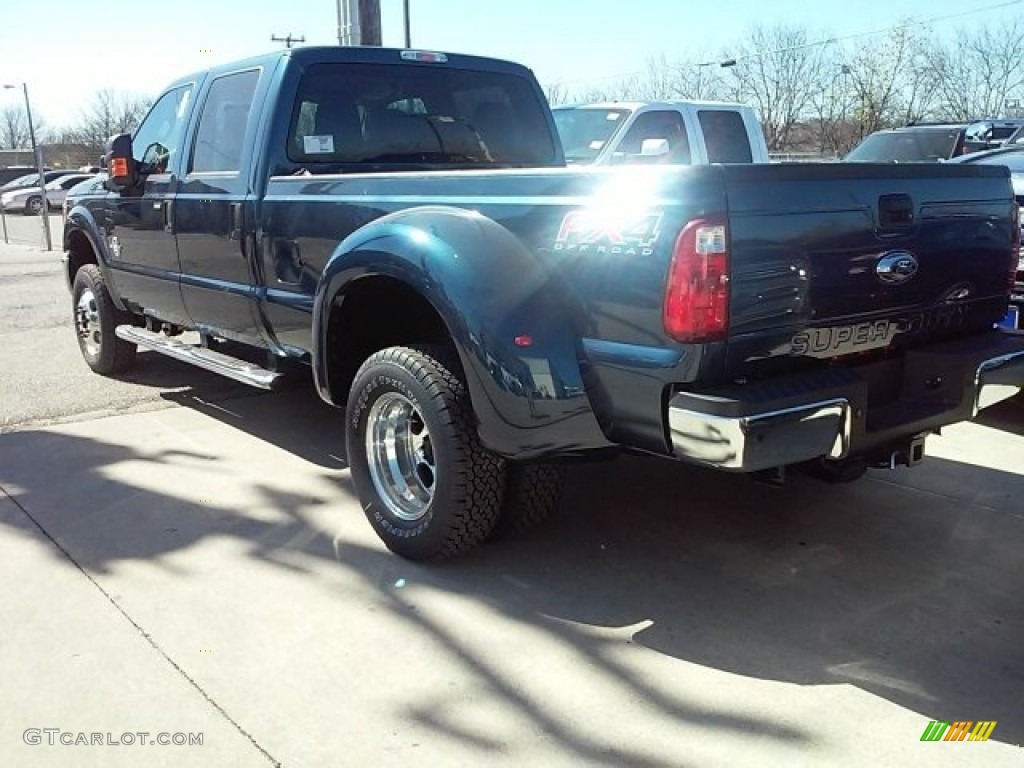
x=430 y=56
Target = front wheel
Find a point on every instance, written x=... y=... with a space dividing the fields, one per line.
x=96 y=317
x=427 y=485
x=34 y=206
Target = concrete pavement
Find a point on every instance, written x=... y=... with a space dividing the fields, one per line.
x=214 y=562
x=45 y=379
x=24 y=230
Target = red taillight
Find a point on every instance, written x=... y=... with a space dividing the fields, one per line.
x=697 y=293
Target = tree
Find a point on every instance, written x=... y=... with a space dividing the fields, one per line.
x=778 y=70
x=690 y=78
x=831 y=108
x=890 y=81
x=980 y=71
x=13 y=128
x=556 y=94
x=109 y=113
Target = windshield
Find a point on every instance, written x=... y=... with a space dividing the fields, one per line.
x=922 y=146
x=990 y=132
x=585 y=132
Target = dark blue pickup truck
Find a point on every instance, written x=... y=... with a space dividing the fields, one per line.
x=402 y=223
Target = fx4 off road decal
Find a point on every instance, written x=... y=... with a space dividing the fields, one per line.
x=587 y=231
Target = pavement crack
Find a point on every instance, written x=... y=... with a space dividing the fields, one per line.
x=143 y=633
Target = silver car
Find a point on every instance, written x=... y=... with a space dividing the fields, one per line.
x=29 y=200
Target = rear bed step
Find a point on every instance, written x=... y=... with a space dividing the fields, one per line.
x=225 y=365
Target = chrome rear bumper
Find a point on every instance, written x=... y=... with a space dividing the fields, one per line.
x=761 y=440
x=740 y=429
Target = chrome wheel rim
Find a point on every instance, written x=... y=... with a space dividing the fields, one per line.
x=400 y=456
x=87 y=323
x=35 y=205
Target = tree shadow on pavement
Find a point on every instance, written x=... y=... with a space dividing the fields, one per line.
x=910 y=593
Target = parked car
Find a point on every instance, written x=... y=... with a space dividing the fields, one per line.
x=32 y=180
x=29 y=201
x=91 y=186
x=1016 y=138
x=934 y=142
x=1011 y=157
x=12 y=172
x=921 y=143
x=990 y=134
x=672 y=132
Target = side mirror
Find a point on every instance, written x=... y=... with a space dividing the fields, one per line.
x=654 y=148
x=122 y=172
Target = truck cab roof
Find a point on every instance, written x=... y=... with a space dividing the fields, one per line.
x=320 y=54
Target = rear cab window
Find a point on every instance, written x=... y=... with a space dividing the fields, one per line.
x=383 y=115
x=725 y=136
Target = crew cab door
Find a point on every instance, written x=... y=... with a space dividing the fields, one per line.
x=213 y=208
x=139 y=232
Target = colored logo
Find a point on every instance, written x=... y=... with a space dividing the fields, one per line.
x=961 y=730
x=587 y=231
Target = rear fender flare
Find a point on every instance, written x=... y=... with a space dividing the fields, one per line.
x=511 y=321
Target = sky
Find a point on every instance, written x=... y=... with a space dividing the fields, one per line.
x=66 y=50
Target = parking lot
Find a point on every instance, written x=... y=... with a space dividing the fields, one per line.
x=25 y=230
x=188 y=556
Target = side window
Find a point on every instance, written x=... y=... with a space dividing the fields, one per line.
x=725 y=136
x=664 y=124
x=219 y=140
x=158 y=139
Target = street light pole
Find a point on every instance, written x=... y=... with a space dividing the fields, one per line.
x=38 y=155
x=405 y=14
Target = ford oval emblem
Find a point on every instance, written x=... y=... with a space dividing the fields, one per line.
x=896 y=267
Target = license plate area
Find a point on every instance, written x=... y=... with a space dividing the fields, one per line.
x=1012 y=319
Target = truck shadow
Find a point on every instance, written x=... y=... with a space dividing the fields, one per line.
x=1007 y=416
x=897 y=584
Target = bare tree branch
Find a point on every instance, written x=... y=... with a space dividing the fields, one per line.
x=13 y=128
x=109 y=113
x=778 y=71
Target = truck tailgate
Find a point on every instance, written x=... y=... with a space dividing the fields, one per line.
x=851 y=259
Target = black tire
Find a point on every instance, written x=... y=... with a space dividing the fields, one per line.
x=450 y=501
x=532 y=493
x=836 y=472
x=33 y=205
x=96 y=317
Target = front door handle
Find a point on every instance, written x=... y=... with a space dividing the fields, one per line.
x=235 y=221
x=168 y=207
